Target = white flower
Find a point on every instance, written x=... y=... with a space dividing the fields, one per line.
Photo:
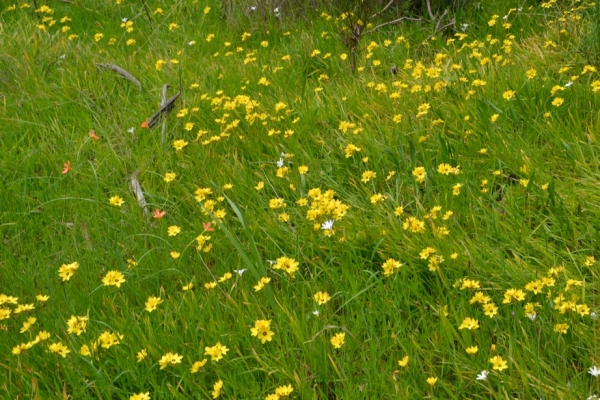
x=63 y=56
x=483 y=375
x=464 y=27
x=124 y=20
x=568 y=84
x=193 y=42
x=280 y=163
x=593 y=397
x=271 y=262
x=594 y=371
x=316 y=312
x=532 y=316
x=130 y=130
x=505 y=17
x=253 y=8
x=239 y=271
x=593 y=315
x=327 y=225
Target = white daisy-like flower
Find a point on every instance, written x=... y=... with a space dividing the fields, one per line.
x=240 y=272
x=124 y=20
x=316 y=312
x=271 y=262
x=483 y=375
x=130 y=130
x=594 y=371
x=532 y=316
x=568 y=84
x=327 y=225
x=191 y=43
x=280 y=163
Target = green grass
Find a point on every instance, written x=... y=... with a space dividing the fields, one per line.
x=540 y=211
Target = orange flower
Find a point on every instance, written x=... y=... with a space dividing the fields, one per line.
x=208 y=226
x=158 y=214
x=93 y=135
x=66 y=168
x=145 y=123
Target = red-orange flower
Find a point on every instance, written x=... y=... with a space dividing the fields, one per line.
x=93 y=135
x=158 y=214
x=67 y=167
x=208 y=226
x=145 y=123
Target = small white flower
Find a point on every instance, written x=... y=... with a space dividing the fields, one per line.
x=240 y=272
x=568 y=84
x=532 y=316
x=483 y=375
x=280 y=163
x=464 y=27
x=271 y=262
x=63 y=56
x=327 y=225
x=594 y=315
x=316 y=312
x=593 y=397
x=253 y=8
x=193 y=42
x=520 y=9
x=130 y=130
x=594 y=371
x=124 y=20
x=505 y=17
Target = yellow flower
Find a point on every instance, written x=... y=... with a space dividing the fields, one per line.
x=377 y=198
x=116 y=201
x=140 y=396
x=77 y=325
x=113 y=278
x=216 y=352
x=42 y=298
x=338 y=340
x=169 y=359
x=198 y=365
x=469 y=323
x=141 y=355
x=390 y=266
x=472 y=350
x=66 y=271
x=303 y=169
x=403 y=362
x=152 y=303
x=169 y=176
x=262 y=330
x=286 y=264
x=561 y=328
x=498 y=363
x=179 y=144
x=432 y=380
x=284 y=391
x=557 y=102
x=322 y=297
x=174 y=230
x=59 y=348
x=217 y=387
x=419 y=174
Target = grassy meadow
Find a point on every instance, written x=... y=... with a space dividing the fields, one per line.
x=426 y=225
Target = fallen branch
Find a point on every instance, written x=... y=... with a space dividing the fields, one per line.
x=122 y=72
x=136 y=188
x=162 y=104
x=164 y=109
x=396 y=21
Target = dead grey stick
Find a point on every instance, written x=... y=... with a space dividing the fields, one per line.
x=153 y=120
x=136 y=188
x=122 y=72
x=162 y=104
